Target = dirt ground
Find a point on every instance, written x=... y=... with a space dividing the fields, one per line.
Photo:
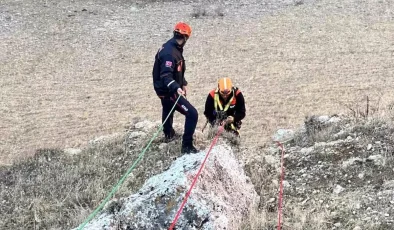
x=71 y=71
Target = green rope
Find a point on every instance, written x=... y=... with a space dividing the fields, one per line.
x=120 y=182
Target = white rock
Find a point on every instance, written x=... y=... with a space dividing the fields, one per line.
x=323 y=119
x=377 y=159
x=136 y=134
x=283 y=135
x=105 y=138
x=271 y=160
x=306 y=151
x=338 y=225
x=389 y=184
x=338 y=189
x=334 y=120
x=134 y=9
x=275 y=183
x=340 y=133
x=162 y=146
x=351 y=161
x=271 y=200
x=221 y=196
x=327 y=119
x=369 y=147
x=72 y=151
x=304 y=201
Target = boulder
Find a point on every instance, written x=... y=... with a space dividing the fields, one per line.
x=221 y=197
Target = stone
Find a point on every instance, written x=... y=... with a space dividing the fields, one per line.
x=137 y=134
x=378 y=160
x=283 y=135
x=220 y=199
x=338 y=189
x=72 y=151
x=351 y=161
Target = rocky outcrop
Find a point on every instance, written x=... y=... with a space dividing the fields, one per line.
x=220 y=199
x=344 y=167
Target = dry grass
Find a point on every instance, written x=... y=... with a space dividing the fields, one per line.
x=311 y=204
x=264 y=216
x=54 y=190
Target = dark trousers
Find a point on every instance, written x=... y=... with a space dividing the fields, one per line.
x=185 y=108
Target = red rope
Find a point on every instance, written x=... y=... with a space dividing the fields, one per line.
x=281 y=188
x=195 y=179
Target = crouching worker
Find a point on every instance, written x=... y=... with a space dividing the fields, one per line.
x=225 y=105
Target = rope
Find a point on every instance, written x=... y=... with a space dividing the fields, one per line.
x=195 y=179
x=120 y=182
x=280 y=200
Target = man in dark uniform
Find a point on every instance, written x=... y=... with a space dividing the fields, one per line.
x=169 y=83
x=225 y=104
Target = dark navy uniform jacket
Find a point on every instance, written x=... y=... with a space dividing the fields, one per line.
x=169 y=69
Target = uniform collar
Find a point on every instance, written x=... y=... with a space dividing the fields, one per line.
x=175 y=43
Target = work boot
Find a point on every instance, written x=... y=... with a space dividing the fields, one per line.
x=189 y=148
x=171 y=136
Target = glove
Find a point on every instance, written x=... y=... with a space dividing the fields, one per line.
x=184 y=89
x=181 y=92
x=230 y=119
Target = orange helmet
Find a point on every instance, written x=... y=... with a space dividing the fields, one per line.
x=225 y=85
x=183 y=28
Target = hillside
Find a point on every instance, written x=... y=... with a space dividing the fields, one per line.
x=338 y=174
x=75 y=70
x=77 y=105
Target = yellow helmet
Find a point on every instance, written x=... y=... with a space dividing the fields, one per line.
x=225 y=85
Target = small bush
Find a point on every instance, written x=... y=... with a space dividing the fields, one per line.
x=298 y=2
x=202 y=11
x=199 y=12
